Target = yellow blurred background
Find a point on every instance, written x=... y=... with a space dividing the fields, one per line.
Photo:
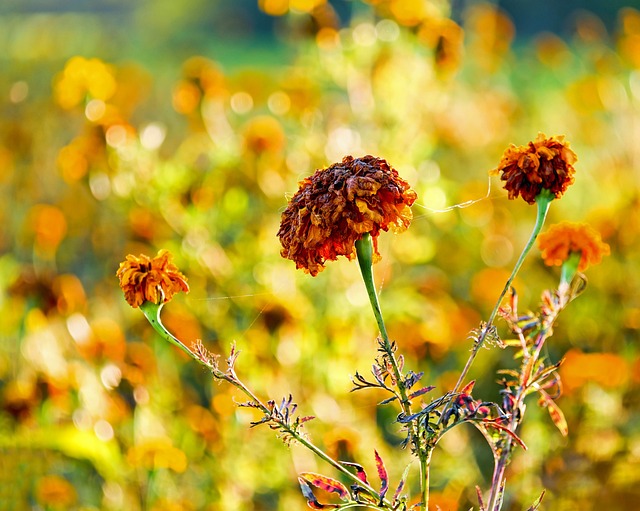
x=186 y=126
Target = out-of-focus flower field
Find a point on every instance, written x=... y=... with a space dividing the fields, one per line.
x=123 y=132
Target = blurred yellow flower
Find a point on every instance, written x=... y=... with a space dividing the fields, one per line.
x=156 y=453
x=143 y=279
x=264 y=134
x=561 y=240
x=54 y=491
x=334 y=207
x=82 y=78
x=546 y=163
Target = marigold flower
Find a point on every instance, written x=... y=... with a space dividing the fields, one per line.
x=143 y=279
x=334 y=207
x=561 y=240
x=545 y=163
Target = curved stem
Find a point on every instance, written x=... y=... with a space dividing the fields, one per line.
x=543 y=201
x=152 y=312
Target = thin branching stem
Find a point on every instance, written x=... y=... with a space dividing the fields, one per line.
x=152 y=313
x=543 y=201
x=497 y=480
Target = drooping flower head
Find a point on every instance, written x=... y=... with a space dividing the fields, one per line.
x=546 y=163
x=566 y=238
x=145 y=279
x=337 y=205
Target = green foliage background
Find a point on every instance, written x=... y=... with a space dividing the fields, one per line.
x=189 y=138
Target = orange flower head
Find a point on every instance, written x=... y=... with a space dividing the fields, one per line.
x=143 y=279
x=546 y=163
x=337 y=205
x=561 y=240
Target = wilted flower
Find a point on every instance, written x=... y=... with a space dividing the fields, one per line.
x=334 y=207
x=561 y=240
x=546 y=163
x=156 y=280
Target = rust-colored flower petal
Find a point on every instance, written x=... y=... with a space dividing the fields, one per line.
x=145 y=279
x=565 y=238
x=545 y=163
x=334 y=207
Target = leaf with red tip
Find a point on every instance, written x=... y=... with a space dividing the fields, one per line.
x=382 y=473
x=468 y=387
x=554 y=412
x=312 y=502
x=360 y=473
x=325 y=483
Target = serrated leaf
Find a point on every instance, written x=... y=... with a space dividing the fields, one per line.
x=421 y=391
x=383 y=475
x=326 y=484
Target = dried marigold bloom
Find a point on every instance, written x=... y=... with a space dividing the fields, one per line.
x=143 y=279
x=546 y=163
x=561 y=240
x=334 y=207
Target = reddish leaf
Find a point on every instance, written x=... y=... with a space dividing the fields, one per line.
x=325 y=483
x=492 y=423
x=382 y=473
x=468 y=387
x=312 y=502
x=554 y=412
x=360 y=473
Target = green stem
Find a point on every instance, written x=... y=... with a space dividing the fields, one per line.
x=151 y=311
x=364 y=251
x=425 y=463
x=543 y=201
